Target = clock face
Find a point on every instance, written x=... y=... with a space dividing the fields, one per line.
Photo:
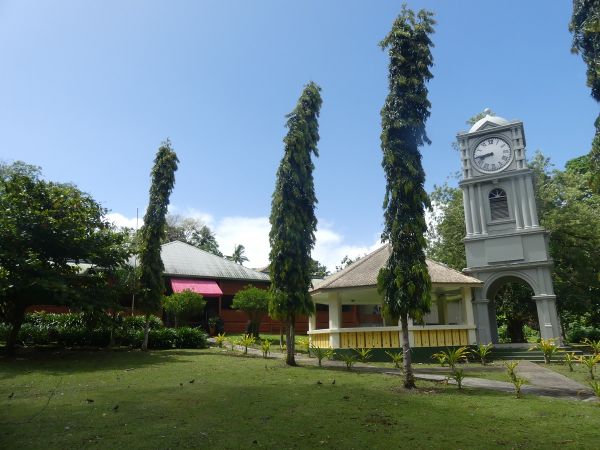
x=491 y=155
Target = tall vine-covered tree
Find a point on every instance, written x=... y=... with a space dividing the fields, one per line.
x=153 y=232
x=293 y=220
x=404 y=281
x=585 y=26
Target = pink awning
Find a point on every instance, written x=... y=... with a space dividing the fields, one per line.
x=205 y=287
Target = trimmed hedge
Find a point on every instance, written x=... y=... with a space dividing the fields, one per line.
x=579 y=333
x=74 y=330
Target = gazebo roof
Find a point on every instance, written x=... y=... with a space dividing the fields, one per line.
x=364 y=273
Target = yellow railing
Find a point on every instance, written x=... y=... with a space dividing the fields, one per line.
x=440 y=338
x=370 y=339
x=320 y=340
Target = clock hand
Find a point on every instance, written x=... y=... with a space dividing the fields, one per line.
x=485 y=156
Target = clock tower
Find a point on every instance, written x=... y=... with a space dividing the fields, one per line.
x=504 y=240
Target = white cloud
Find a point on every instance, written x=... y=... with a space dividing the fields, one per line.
x=120 y=220
x=253 y=234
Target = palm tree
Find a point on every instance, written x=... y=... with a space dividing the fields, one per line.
x=238 y=256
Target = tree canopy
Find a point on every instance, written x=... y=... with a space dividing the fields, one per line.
x=293 y=220
x=585 y=26
x=191 y=231
x=404 y=281
x=238 y=256
x=183 y=305
x=254 y=302
x=56 y=248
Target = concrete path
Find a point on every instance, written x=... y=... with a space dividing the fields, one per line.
x=543 y=382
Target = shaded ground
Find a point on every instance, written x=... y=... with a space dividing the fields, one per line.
x=211 y=398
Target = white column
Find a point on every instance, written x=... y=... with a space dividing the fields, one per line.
x=531 y=202
x=523 y=202
x=467 y=207
x=335 y=320
x=482 y=210
x=476 y=228
x=468 y=313
x=312 y=321
x=515 y=203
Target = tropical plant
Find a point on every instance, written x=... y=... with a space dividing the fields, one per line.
x=303 y=343
x=440 y=357
x=319 y=353
x=510 y=368
x=482 y=351
x=348 y=358
x=404 y=281
x=452 y=356
x=595 y=385
x=396 y=358
x=246 y=341
x=590 y=362
x=255 y=303
x=569 y=359
x=238 y=256
x=220 y=338
x=293 y=221
x=153 y=232
x=548 y=347
x=364 y=354
x=593 y=345
x=518 y=383
x=191 y=231
x=458 y=375
x=183 y=305
x=265 y=346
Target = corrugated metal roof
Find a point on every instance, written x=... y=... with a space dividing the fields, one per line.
x=186 y=260
x=364 y=272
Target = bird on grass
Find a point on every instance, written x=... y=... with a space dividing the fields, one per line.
x=115 y=408
x=11 y=395
x=333 y=382
x=318 y=382
x=192 y=381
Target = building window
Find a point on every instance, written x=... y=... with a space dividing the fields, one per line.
x=498 y=204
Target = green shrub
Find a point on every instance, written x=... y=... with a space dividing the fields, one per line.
x=219 y=339
x=319 y=353
x=129 y=337
x=458 y=375
x=246 y=341
x=397 y=358
x=162 y=338
x=99 y=337
x=452 y=356
x=579 y=333
x=482 y=352
x=510 y=368
x=187 y=337
x=569 y=359
x=72 y=337
x=518 y=382
x=139 y=322
x=4 y=329
x=348 y=358
x=364 y=354
x=265 y=347
x=548 y=347
x=593 y=345
x=31 y=334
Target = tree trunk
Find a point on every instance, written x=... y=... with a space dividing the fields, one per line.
x=281 y=334
x=146 y=332
x=16 y=320
x=112 y=328
x=290 y=359
x=409 y=378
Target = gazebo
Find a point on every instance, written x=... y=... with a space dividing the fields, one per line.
x=352 y=304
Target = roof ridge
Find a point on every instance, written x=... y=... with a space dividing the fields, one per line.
x=350 y=268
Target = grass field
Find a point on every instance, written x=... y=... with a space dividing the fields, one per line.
x=580 y=372
x=213 y=399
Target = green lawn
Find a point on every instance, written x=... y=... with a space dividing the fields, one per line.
x=580 y=372
x=210 y=398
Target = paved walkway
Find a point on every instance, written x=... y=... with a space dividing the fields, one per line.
x=543 y=382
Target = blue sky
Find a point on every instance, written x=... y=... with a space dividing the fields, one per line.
x=88 y=90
